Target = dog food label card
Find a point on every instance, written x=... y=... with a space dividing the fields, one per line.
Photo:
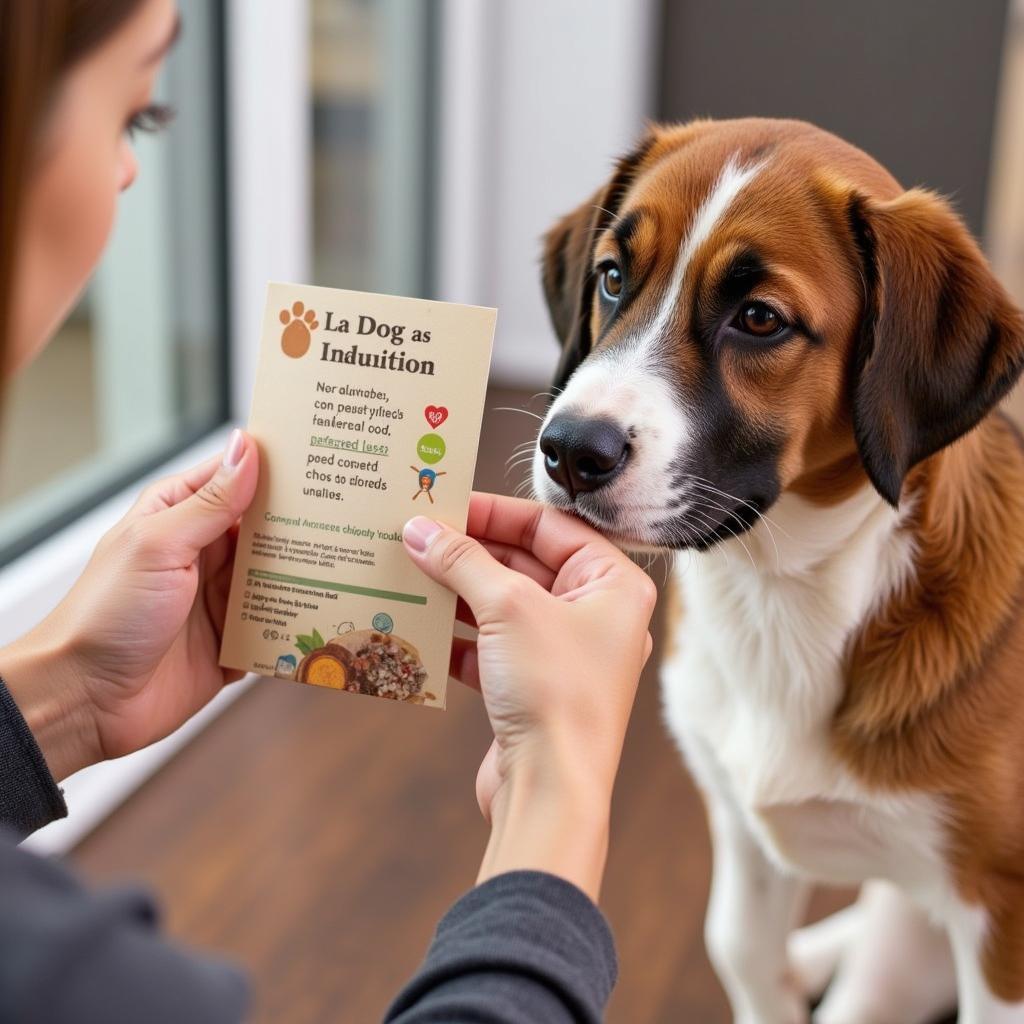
x=367 y=411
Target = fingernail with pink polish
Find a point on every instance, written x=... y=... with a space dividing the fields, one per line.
x=419 y=532
x=233 y=451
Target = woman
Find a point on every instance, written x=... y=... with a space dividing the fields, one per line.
x=131 y=652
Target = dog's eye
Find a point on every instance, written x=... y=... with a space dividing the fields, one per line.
x=759 y=319
x=611 y=282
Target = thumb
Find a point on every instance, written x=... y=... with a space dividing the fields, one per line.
x=456 y=561
x=205 y=515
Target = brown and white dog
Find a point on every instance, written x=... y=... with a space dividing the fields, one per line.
x=780 y=361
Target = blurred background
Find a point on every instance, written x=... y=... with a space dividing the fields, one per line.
x=420 y=147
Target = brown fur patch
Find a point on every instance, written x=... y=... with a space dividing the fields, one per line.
x=901 y=316
x=794 y=217
x=935 y=681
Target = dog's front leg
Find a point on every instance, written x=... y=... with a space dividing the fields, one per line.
x=968 y=931
x=753 y=908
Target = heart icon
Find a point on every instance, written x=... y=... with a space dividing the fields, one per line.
x=435 y=414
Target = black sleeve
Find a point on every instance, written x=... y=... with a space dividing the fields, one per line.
x=29 y=798
x=522 y=947
x=68 y=955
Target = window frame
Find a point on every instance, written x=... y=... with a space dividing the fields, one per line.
x=490 y=213
x=264 y=241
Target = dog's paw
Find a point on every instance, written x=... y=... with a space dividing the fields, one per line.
x=790 y=1015
x=786 y=1004
x=883 y=960
x=815 y=951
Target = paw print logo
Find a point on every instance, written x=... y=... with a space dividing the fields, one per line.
x=298 y=322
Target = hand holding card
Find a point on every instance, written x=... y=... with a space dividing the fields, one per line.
x=322 y=590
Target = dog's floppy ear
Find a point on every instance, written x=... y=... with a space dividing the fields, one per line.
x=566 y=274
x=941 y=342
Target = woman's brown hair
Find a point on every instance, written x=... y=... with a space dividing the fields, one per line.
x=40 y=40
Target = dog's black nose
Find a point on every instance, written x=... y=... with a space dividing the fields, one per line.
x=583 y=454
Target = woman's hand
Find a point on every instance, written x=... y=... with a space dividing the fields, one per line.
x=132 y=651
x=562 y=618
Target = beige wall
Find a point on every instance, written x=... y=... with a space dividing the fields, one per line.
x=1005 y=227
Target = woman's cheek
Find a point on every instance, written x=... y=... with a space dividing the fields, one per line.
x=128 y=166
x=83 y=216
x=68 y=218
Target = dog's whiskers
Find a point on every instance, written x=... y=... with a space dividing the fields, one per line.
x=513 y=408
x=714 y=506
x=709 y=524
x=671 y=557
x=520 y=451
x=511 y=469
x=708 y=486
x=768 y=523
x=518 y=456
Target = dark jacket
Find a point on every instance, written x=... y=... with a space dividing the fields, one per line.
x=522 y=947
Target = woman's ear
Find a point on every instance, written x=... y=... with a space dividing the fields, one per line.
x=566 y=265
x=941 y=342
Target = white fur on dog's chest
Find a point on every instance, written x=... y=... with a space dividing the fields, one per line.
x=756 y=679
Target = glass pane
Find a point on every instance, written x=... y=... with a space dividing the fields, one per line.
x=371 y=83
x=1004 y=233
x=138 y=371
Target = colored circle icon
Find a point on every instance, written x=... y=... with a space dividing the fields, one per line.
x=382 y=622
x=430 y=448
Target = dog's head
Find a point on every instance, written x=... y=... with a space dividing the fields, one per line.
x=750 y=307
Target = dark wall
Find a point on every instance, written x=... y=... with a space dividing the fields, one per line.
x=913 y=82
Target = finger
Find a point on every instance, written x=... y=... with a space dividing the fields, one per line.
x=216 y=565
x=460 y=563
x=186 y=528
x=552 y=536
x=521 y=561
x=464 y=665
x=595 y=569
x=163 y=493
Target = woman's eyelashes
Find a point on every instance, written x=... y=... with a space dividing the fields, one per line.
x=152 y=118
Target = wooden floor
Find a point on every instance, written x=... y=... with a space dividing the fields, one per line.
x=317 y=837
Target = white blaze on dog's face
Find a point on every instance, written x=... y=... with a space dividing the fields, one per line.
x=625 y=403
x=750 y=307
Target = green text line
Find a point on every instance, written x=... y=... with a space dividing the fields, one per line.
x=344 y=448
x=344 y=588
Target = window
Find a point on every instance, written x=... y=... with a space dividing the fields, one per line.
x=1004 y=233
x=372 y=81
x=139 y=370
